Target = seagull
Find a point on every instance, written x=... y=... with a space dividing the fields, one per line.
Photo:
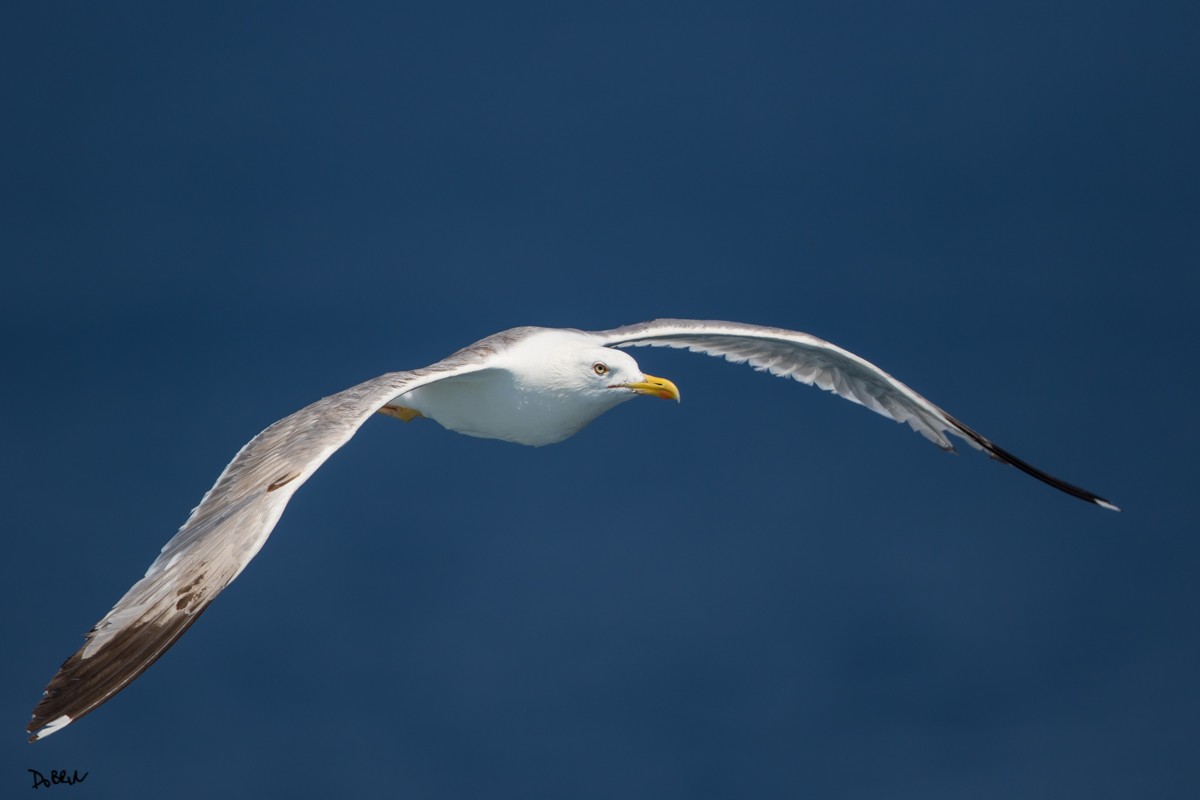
x=530 y=385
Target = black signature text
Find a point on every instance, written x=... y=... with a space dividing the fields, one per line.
x=40 y=781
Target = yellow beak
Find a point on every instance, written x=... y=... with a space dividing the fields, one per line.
x=657 y=387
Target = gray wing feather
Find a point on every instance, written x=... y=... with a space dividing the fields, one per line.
x=800 y=356
x=224 y=532
x=816 y=362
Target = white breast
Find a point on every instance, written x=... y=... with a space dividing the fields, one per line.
x=494 y=405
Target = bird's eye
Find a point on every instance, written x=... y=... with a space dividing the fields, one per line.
x=600 y=368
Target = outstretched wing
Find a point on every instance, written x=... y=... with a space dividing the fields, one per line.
x=220 y=537
x=817 y=362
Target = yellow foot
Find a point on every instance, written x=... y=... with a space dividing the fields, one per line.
x=401 y=413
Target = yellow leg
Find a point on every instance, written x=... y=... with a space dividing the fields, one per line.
x=401 y=413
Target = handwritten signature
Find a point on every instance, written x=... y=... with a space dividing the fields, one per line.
x=40 y=781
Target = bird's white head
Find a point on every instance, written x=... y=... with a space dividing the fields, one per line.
x=570 y=362
x=563 y=380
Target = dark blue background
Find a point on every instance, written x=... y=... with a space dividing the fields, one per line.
x=215 y=214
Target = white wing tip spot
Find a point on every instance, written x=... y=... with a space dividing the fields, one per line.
x=53 y=726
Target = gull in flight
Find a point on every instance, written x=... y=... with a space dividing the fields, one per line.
x=532 y=386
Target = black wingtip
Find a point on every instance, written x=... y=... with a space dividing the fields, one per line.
x=1000 y=454
x=1058 y=483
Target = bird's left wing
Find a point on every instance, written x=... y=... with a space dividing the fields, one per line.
x=220 y=537
x=816 y=362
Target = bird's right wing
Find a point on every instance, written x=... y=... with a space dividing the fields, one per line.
x=816 y=362
x=220 y=537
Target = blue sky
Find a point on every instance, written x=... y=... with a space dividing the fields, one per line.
x=213 y=215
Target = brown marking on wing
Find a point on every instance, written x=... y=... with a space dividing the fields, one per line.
x=284 y=481
x=82 y=684
x=188 y=594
